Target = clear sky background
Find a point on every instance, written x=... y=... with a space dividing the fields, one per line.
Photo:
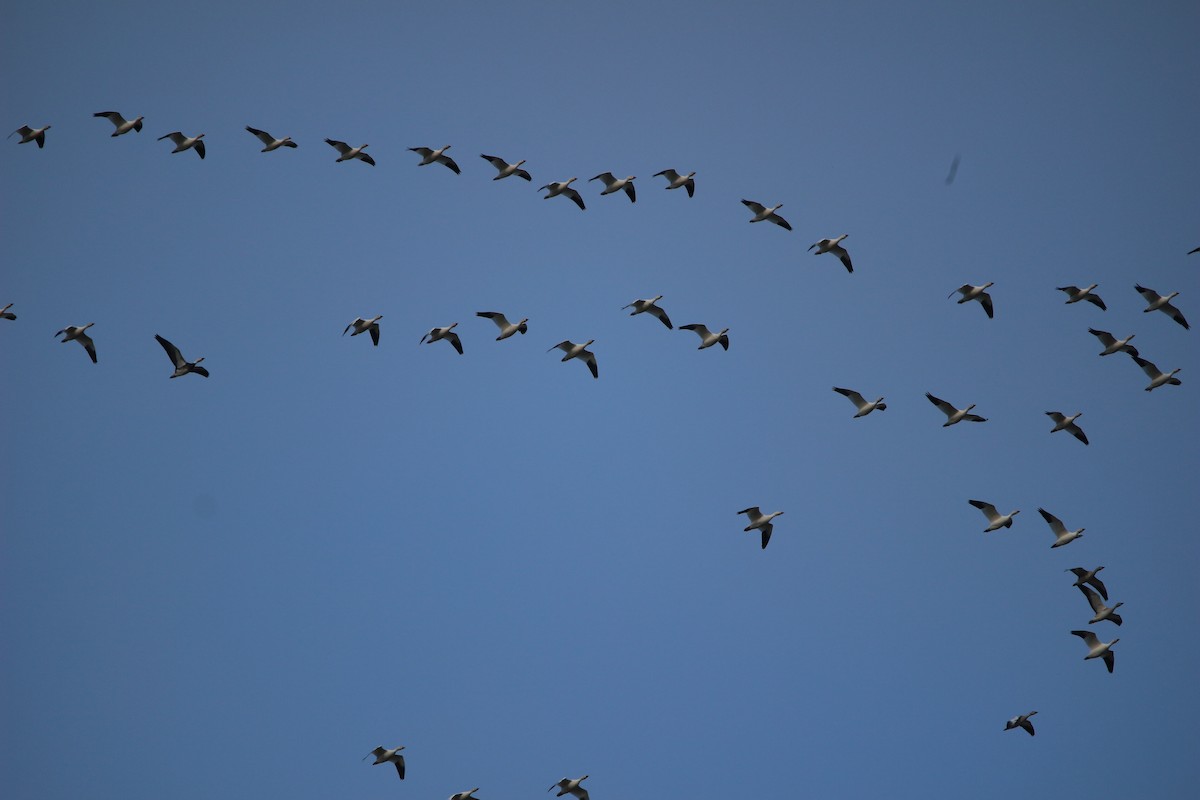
x=236 y=587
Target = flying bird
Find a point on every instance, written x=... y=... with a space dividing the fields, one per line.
x=182 y=365
x=571 y=786
x=996 y=520
x=507 y=328
x=6 y=314
x=77 y=333
x=954 y=415
x=834 y=246
x=614 y=184
x=979 y=293
x=1097 y=648
x=760 y=521
x=1101 y=611
x=348 y=152
x=270 y=141
x=1161 y=303
x=1112 y=344
x=649 y=307
x=579 y=351
x=1083 y=576
x=1157 y=377
x=1061 y=534
x=361 y=325
x=707 y=337
x=505 y=169
x=1021 y=721
x=430 y=156
x=185 y=142
x=465 y=795
x=29 y=134
x=383 y=755
x=564 y=188
x=121 y=124
x=861 y=403
x=1075 y=294
x=446 y=333
x=1065 y=423
x=761 y=213
x=676 y=181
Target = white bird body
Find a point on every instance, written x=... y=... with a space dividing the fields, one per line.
x=1064 y=423
x=1156 y=376
x=78 y=333
x=504 y=169
x=384 y=755
x=347 y=152
x=361 y=325
x=121 y=124
x=185 y=142
x=707 y=337
x=507 y=328
x=864 y=407
x=761 y=522
x=438 y=156
x=834 y=246
x=677 y=181
x=1075 y=294
x=954 y=415
x=615 y=184
x=1061 y=534
x=579 y=351
x=996 y=520
x=1101 y=611
x=1097 y=648
x=182 y=365
x=564 y=188
x=1021 y=721
x=649 y=307
x=270 y=141
x=979 y=293
x=1113 y=344
x=446 y=333
x=29 y=134
x=762 y=213
x=465 y=795
x=571 y=786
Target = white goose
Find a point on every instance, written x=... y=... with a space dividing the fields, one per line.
x=979 y=293
x=1157 y=377
x=1101 y=611
x=1083 y=576
x=465 y=795
x=29 y=134
x=446 y=333
x=1065 y=423
x=1061 y=534
x=348 y=152
x=121 y=124
x=762 y=213
x=1097 y=648
x=571 y=786
x=384 y=755
x=429 y=156
x=579 y=351
x=996 y=520
x=564 y=188
x=760 y=521
x=182 y=365
x=505 y=169
x=270 y=141
x=834 y=246
x=1161 y=303
x=6 y=314
x=1113 y=344
x=954 y=415
x=864 y=407
x=649 y=307
x=1075 y=294
x=615 y=184
x=507 y=328
x=77 y=333
x=677 y=181
x=361 y=325
x=707 y=337
x=1021 y=721
x=185 y=142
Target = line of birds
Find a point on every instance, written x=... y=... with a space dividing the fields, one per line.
x=385 y=755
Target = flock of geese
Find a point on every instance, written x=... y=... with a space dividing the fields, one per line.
x=1092 y=588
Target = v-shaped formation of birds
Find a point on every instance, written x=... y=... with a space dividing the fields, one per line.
x=1092 y=588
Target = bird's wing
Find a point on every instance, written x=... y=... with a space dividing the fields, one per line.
x=1149 y=294
x=377 y=752
x=1174 y=314
x=366 y=158
x=424 y=152
x=1054 y=522
x=263 y=136
x=966 y=287
x=841 y=253
x=1077 y=432
x=1027 y=725
x=374 y=330
x=854 y=396
x=449 y=162
x=199 y=147
x=607 y=177
x=691 y=187
x=201 y=371
x=88 y=345
x=672 y=176
x=498 y=163
x=1109 y=659
x=780 y=221
x=1070 y=290
x=580 y=792
x=631 y=192
x=496 y=317
x=724 y=341
x=1088 y=637
x=341 y=147
x=753 y=511
x=399 y=762
x=1093 y=599
x=523 y=174
x=348 y=327
x=986 y=300
x=1147 y=366
x=1096 y=301
x=945 y=407
x=974 y=418
x=172 y=351
x=590 y=358
x=574 y=195
x=454 y=340
x=1105 y=337
x=701 y=330
x=1056 y=416
x=565 y=345
x=986 y=508
x=175 y=136
x=662 y=315
x=766 y=534
x=1099 y=584
x=757 y=208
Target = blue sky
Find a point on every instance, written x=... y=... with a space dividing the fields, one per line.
x=239 y=586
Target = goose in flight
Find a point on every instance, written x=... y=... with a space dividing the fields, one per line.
x=6 y=314
x=507 y=328
x=1061 y=534
x=707 y=337
x=564 y=188
x=834 y=246
x=348 y=152
x=979 y=293
x=121 y=124
x=1157 y=378
x=1097 y=648
x=1065 y=423
x=761 y=213
x=29 y=134
x=571 y=786
x=446 y=333
x=1112 y=344
x=649 y=307
x=383 y=755
x=954 y=415
x=361 y=325
x=270 y=141
x=185 y=142
x=1161 y=303
x=1083 y=576
x=615 y=184
x=996 y=520
x=1075 y=294
x=505 y=169
x=676 y=181
x=465 y=795
x=760 y=521
x=864 y=407
x=1101 y=611
x=77 y=333
x=182 y=365
x=430 y=156
x=1021 y=721
x=579 y=351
